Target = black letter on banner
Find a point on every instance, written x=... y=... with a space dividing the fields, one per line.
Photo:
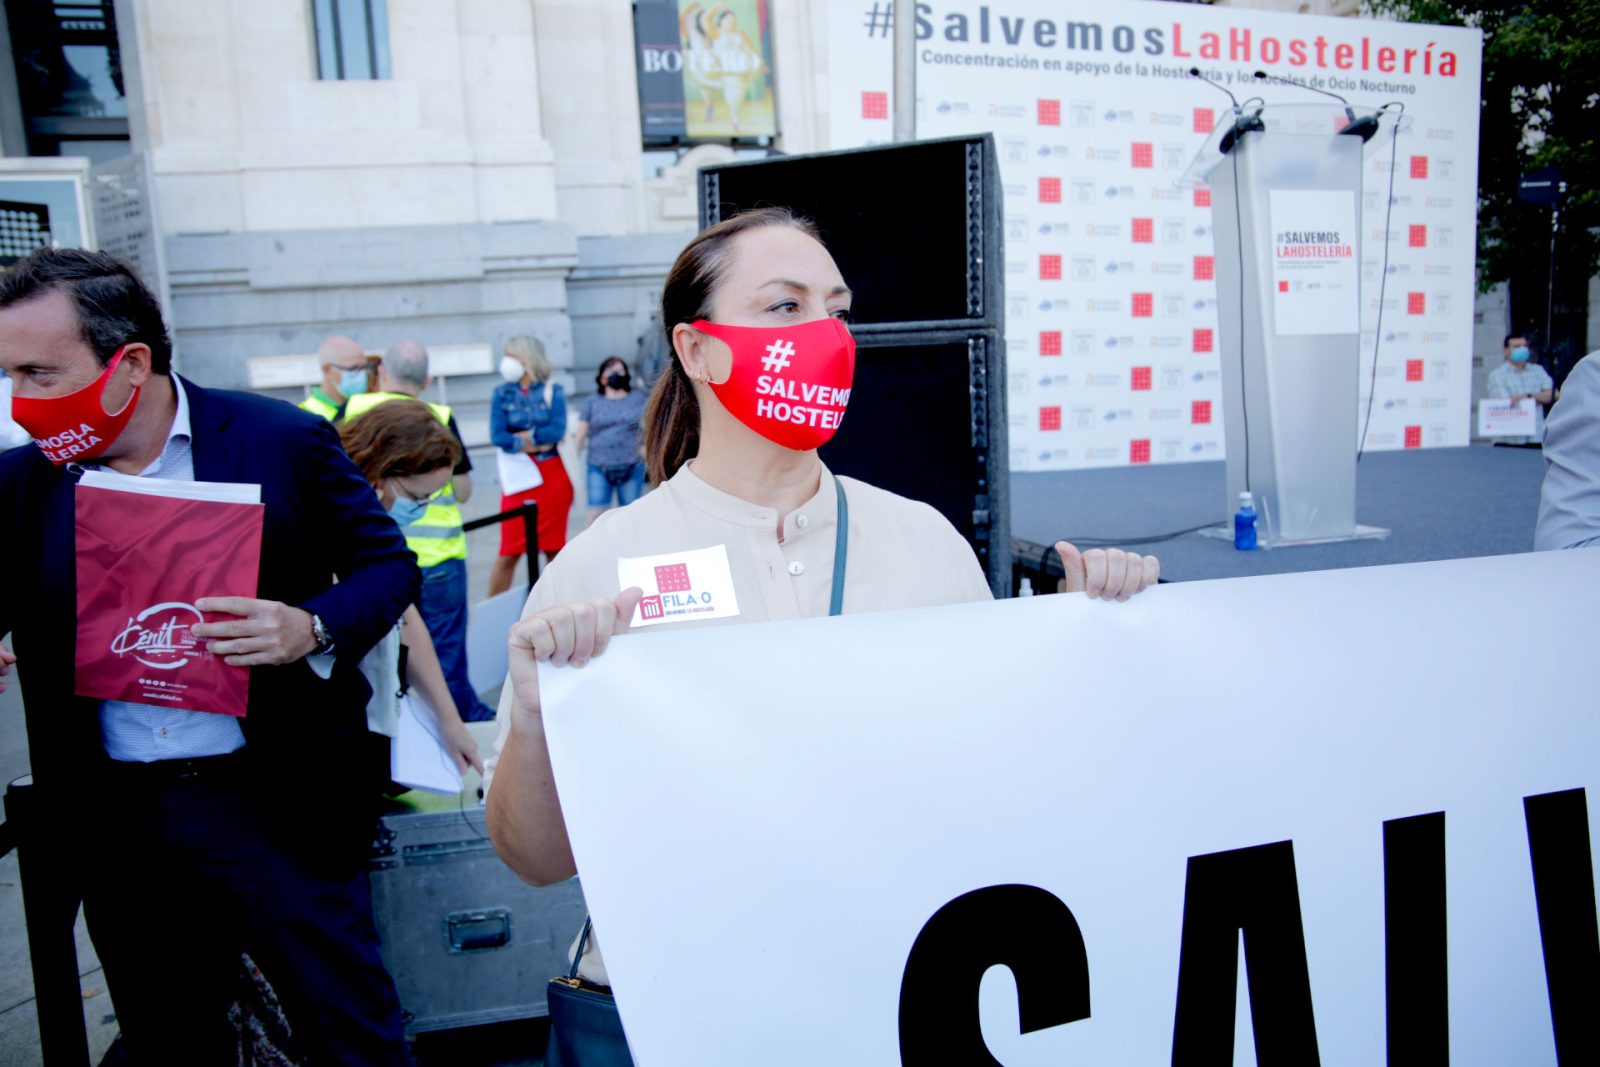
x=1253 y=890
x=1416 y=982
x=1038 y=939
x=1563 y=884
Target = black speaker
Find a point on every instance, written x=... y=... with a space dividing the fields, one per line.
x=916 y=231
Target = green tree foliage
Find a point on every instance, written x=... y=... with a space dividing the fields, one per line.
x=1541 y=106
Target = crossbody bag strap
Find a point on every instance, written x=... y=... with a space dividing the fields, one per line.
x=583 y=943
x=841 y=547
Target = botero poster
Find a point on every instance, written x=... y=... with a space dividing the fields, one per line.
x=705 y=70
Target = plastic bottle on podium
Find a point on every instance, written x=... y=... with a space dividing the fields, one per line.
x=1244 y=523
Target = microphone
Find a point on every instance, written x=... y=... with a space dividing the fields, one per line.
x=1242 y=123
x=1363 y=127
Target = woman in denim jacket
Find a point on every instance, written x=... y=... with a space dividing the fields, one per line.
x=528 y=413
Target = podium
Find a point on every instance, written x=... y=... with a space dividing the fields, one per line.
x=1286 y=208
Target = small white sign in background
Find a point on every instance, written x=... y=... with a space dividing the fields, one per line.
x=1502 y=418
x=765 y=817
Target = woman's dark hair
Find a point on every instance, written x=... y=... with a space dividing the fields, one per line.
x=399 y=439
x=672 y=414
x=600 y=374
x=114 y=307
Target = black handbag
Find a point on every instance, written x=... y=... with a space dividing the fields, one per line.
x=585 y=1027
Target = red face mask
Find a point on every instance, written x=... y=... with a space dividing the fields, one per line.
x=789 y=384
x=75 y=427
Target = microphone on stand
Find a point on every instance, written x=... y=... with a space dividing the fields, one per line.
x=1242 y=123
x=1363 y=127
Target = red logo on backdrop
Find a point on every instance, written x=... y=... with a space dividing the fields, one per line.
x=1139 y=450
x=1049 y=112
x=1419 y=235
x=1413 y=436
x=1050 y=418
x=1144 y=231
x=1049 y=190
x=1049 y=342
x=1419 y=167
x=650 y=608
x=1202 y=339
x=1416 y=304
x=1050 y=268
x=1141 y=379
x=1413 y=370
x=1200 y=412
x=673 y=578
x=1204 y=119
x=874 y=105
x=1283 y=287
x=1202 y=198
x=1205 y=268
x=1144 y=154
x=1143 y=305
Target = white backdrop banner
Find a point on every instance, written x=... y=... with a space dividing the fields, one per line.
x=866 y=840
x=1111 y=304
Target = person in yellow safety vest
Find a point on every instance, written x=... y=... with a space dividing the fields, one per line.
x=435 y=533
x=344 y=375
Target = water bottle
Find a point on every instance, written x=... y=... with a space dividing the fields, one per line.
x=1026 y=589
x=1244 y=523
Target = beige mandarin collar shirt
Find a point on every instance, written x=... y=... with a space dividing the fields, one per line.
x=901 y=554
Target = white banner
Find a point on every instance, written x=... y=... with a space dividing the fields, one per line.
x=1110 y=300
x=825 y=841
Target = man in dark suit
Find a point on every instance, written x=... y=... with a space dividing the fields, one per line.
x=191 y=837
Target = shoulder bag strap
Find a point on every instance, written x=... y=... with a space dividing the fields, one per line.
x=841 y=547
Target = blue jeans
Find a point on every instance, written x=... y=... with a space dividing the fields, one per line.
x=444 y=610
x=626 y=479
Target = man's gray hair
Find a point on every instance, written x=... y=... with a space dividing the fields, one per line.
x=407 y=362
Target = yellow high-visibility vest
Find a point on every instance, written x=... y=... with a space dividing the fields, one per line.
x=320 y=403
x=437 y=536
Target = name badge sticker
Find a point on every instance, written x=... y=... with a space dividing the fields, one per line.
x=681 y=586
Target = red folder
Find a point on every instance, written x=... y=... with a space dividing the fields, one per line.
x=143 y=561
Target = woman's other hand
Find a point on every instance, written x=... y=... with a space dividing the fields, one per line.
x=1107 y=573
x=565 y=633
x=463 y=749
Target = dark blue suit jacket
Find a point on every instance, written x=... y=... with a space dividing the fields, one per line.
x=305 y=736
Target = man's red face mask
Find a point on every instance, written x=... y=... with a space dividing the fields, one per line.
x=75 y=427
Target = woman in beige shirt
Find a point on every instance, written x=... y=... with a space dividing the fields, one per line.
x=733 y=477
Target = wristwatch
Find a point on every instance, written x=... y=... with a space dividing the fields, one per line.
x=319 y=634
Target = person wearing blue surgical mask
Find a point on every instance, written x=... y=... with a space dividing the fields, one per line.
x=1522 y=381
x=345 y=373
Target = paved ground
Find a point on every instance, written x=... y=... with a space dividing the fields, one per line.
x=495 y=1046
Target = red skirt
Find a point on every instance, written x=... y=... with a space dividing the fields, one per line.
x=554 y=498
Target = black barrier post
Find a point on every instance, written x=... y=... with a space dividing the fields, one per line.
x=50 y=915
x=530 y=529
x=528 y=513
